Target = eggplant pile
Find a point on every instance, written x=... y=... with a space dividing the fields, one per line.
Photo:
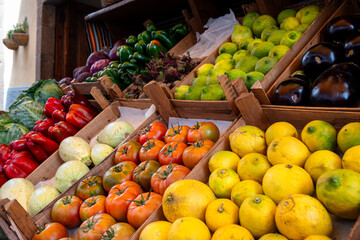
x=331 y=72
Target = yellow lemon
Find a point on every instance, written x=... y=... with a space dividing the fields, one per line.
x=311 y=8
x=224 y=159
x=282 y=180
x=247 y=139
x=158 y=230
x=349 y=136
x=245 y=189
x=204 y=69
x=280 y=129
x=319 y=135
x=273 y=236
x=188 y=228
x=288 y=150
x=317 y=237
x=221 y=212
x=253 y=166
x=290 y=23
x=339 y=191
x=186 y=198
x=350 y=159
x=233 y=232
x=321 y=161
x=297 y=215
x=261 y=23
x=257 y=214
x=285 y=14
x=222 y=180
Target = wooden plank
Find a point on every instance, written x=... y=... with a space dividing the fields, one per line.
x=355 y=233
x=260 y=94
x=99 y=97
x=85 y=88
x=7 y=230
x=229 y=92
x=2 y=210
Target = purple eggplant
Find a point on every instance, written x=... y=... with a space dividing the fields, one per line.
x=337 y=87
x=293 y=91
x=340 y=28
x=352 y=48
x=320 y=57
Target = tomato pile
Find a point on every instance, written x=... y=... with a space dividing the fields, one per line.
x=132 y=190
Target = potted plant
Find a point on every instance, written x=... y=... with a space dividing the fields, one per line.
x=8 y=42
x=20 y=33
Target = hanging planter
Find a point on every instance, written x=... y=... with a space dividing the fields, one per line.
x=20 y=38
x=10 y=44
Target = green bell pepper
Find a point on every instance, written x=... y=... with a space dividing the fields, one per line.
x=114 y=64
x=179 y=31
x=130 y=65
x=151 y=27
x=131 y=40
x=154 y=48
x=124 y=52
x=145 y=36
x=91 y=79
x=141 y=57
x=164 y=38
x=111 y=73
x=140 y=47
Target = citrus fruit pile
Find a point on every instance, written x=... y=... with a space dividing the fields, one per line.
x=256 y=46
x=276 y=184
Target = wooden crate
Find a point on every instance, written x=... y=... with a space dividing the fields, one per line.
x=264 y=90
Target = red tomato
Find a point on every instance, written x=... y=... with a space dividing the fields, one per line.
x=150 y=150
x=128 y=152
x=142 y=173
x=51 y=231
x=172 y=152
x=90 y=186
x=193 y=154
x=178 y=133
x=66 y=211
x=117 y=174
x=119 y=199
x=94 y=227
x=142 y=207
x=203 y=130
x=155 y=130
x=166 y=175
x=92 y=206
x=119 y=231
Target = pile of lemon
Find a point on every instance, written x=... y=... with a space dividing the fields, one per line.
x=255 y=48
x=270 y=186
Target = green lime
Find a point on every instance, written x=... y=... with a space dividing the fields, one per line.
x=262 y=49
x=204 y=69
x=243 y=43
x=212 y=93
x=247 y=63
x=308 y=17
x=249 y=19
x=278 y=51
x=223 y=56
x=240 y=54
x=235 y=73
x=251 y=44
x=285 y=14
x=267 y=32
x=301 y=12
x=193 y=93
x=261 y=23
x=251 y=78
x=276 y=36
x=200 y=81
x=225 y=65
x=265 y=64
x=290 y=38
x=228 y=47
x=290 y=23
x=240 y=32
x=301 y=28
x=181 y=91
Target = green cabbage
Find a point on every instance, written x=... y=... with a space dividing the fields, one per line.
x=5 y=119
x=11 y=132
x=42 y=90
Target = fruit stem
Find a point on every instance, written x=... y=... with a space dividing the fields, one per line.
x=221 y=209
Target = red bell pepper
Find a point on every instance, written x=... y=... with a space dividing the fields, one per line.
x=79 y=115
x=20 y=164
x=47 y=145
x=3 y=178
x=37 y=151
x=3 y=149
x=58 y=116
x=18 y=145
x=62 y=130
x=51 y=105
x=43 y=126
x=73 y=97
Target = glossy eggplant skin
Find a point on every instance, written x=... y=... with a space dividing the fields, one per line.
x=337 y=87
x=301 y=75
x=321 y=57
x=293 y=92
x=340 y=28
x=352 y=48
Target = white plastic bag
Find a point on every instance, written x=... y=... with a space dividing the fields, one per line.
x=217 y=31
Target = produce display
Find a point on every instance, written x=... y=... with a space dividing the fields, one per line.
x=255 y=48
x=132 y=190
x=329 y=72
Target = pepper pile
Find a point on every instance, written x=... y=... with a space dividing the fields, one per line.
x=65 y=118
x=137 y=53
